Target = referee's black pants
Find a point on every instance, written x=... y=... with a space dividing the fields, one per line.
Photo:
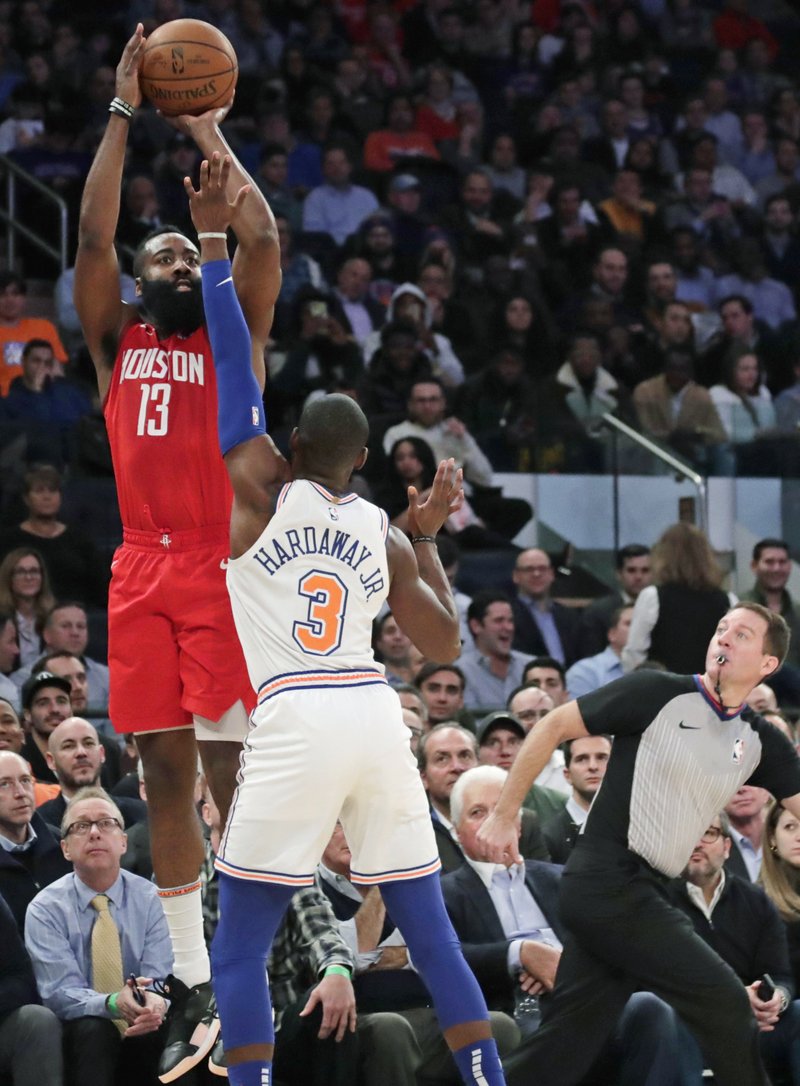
x=625 y=935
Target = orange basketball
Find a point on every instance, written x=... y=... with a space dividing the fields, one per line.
x=188 y=66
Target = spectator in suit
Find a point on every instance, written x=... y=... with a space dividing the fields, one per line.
x=519 y=956
x=30 y=1034
x=443 y=754
x=110 y=1037
x=30 y=854
x=746 y=813
x=633 y=574
x=541 y=626
x=76 y=756
x=585 y=762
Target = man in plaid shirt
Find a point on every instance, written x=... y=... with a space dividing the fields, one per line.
x=308 y=953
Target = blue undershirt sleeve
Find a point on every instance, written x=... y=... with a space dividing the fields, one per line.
x=240 y=408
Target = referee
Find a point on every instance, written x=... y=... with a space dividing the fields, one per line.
x=684 y=744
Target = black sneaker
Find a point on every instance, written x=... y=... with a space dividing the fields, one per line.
x=192 y=1027
x=217 y=1064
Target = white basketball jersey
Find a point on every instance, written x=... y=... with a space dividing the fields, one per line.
x=305 y=595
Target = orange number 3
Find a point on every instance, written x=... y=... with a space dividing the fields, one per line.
x=327 y=600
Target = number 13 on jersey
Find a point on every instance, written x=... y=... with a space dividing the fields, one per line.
x=153 y=410
x=321 y=634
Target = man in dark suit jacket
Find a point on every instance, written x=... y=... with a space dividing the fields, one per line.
x=505 y=963
x=30 y=1035
x=542 y=627
x=585 y=762
x=443 y=754
x=30 y=853
x=633 y=574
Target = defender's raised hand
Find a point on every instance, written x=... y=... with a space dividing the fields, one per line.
x=211 y=210
x=445 y=497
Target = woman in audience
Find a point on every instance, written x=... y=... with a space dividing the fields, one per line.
x=742 y=400
x=75 y=568
x=780 y=874
x=411 y=463
x=519 y=325
x=675 y=617
x=25 y=593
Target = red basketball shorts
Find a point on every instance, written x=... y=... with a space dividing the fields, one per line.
x=172 y=646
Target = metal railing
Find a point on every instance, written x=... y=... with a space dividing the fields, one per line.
x=14 y=176
x=671 y=461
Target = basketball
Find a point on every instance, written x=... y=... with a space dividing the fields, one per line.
x=188 y=66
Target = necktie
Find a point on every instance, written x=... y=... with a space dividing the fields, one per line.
x=106 y=953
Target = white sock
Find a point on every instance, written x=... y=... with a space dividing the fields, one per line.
x=183 y=908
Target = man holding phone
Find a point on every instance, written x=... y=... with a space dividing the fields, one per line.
x=737 y=919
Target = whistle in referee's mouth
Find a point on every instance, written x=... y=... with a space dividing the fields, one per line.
x=722 y=659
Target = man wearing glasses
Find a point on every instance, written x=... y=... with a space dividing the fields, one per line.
x=98 y=940
x=738 y=920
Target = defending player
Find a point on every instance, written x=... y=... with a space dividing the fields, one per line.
x=176 y=665
x=308 y=573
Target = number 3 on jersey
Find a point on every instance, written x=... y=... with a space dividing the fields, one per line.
x=153 y=410
x=327 y=601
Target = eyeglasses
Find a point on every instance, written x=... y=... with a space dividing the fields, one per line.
x=82 y=829
x=26 y=572
x=712 y=834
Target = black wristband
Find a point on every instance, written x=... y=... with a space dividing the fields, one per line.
x=423 y=539
x=122 y=108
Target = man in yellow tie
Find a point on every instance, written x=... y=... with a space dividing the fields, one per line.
x=98 y=939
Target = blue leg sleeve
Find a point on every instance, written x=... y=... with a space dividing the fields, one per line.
x=240 y=408
x=417 y=908
x=249 y=915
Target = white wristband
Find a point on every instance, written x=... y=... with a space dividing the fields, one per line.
x=212 y=234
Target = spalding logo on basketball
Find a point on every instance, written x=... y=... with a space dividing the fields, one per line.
x=188 y=66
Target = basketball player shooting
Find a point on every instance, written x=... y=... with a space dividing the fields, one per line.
x=311 y=565
x=177 y=671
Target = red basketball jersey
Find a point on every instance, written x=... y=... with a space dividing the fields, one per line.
x=161 y=415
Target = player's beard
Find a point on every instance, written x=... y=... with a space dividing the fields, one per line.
x=170 y=309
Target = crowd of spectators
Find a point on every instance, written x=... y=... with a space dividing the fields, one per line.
x=498 y=222
x=556 y=210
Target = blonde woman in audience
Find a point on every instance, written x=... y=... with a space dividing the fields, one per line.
x=675 y=617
